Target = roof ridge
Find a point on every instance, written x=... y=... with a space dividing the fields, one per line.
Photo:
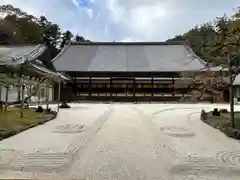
x=195 y=55
x=60 y=53
x=128 y=43
x=28 y=56
x=18 y=45
x=36 y=52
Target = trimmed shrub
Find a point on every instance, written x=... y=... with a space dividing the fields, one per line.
x=39 y=109
x=216 y=112
x=49 y=110
x=223 y=111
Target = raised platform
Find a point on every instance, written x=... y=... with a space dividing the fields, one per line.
x=129 y=98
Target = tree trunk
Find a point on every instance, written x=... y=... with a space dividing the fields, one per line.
x=231 y=96
x=6 y=100
x=1 y=100
x=30 y=92
x=1 y=92
x=22 y=101
x=47 y=95
x=19 y=89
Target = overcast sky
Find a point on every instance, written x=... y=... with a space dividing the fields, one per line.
x=127 y=20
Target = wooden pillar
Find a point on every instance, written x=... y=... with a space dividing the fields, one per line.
x=90 y=87
x=111 y=86
x=173 y=84
x=75 y=85
x=59 y=95
x=134 y=87
x=152 y=86
x=144 y=91
x=81 y=87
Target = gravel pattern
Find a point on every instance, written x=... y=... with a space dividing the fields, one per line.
x=123 y=141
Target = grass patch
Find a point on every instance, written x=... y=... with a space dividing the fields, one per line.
x=224 y=124
x=224 y=119
x=219 y=121
x=11 y=123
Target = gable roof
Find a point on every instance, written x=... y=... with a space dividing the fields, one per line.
x=27 y=58
x=128 y=57
x=15 y=54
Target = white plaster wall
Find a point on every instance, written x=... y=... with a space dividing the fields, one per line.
x=12 y=95
x=50 y=94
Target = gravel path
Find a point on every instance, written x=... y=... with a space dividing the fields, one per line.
x=123 y=141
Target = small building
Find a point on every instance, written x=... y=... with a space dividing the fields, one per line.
x=31 y=64
x=127 y=71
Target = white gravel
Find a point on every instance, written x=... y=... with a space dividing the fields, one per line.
x=123 y=141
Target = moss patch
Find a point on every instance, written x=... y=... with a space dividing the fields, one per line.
x=223 y=123
x=11 y=123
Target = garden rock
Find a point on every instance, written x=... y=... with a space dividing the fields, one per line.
x=64 y=105
x=203 y=115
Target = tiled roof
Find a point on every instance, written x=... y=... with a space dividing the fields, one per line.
x=237 y=81
x=18 y=54
x=129 y=57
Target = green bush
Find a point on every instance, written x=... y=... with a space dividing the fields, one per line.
x=215 y=112
x=223 y=111
x=39 y=109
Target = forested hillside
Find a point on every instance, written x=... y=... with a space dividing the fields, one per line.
x=19 y=27
x=212 y=40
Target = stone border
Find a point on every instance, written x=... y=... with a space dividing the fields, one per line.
x=227 y=130
x=12 y=133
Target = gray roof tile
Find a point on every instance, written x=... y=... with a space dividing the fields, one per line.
x=237 y=80
x=128 y=57
x=8 y=53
